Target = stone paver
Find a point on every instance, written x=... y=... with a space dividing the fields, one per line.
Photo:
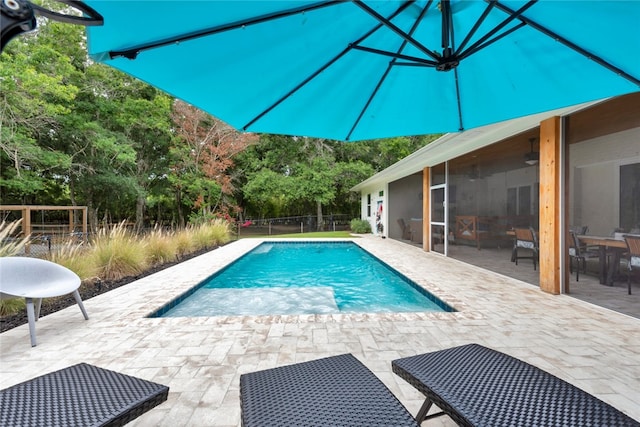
x=201 y=359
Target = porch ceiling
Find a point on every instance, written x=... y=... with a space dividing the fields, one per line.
x=453 y=145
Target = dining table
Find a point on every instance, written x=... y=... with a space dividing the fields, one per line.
x=615 y=246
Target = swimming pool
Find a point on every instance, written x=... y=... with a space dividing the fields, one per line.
x=304 y=278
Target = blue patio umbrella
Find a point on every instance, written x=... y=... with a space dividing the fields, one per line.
x=354 y=70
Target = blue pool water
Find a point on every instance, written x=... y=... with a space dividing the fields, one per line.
x=303 y=278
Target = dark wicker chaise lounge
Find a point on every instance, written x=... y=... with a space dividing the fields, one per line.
x=80 y=395
x=334 y=391
x=477 y=386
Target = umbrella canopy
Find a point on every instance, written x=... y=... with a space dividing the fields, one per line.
x=371 y=69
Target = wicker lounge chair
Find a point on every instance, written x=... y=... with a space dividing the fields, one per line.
x=34 y=279
x=477 y=386
x=334 y=391
x=80 y=395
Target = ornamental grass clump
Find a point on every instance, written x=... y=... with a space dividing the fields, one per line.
x=184 y=242
x=161 y=246
x=10 y=246
x=210 y=234
x=220 y=231
x=117 y=253
x=77 y=258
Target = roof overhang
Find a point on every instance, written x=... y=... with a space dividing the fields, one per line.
x=452 y=145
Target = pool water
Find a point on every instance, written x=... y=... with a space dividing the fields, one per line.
x=304 y=278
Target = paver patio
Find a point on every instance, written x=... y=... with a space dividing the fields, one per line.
x=201 y=359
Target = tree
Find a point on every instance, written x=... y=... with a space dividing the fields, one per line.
x=33 y=99
x=203 y=159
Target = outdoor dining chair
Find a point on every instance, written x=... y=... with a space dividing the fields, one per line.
x=525 y=240
x=633 y=257
x=580 y=253
x=34 y=279
x=405 y=229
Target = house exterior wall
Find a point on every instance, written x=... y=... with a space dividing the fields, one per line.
x=598 y=159
x=371 y=212
x=594 y=171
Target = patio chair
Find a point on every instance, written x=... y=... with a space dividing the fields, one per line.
x=80 y=395
x=479 y=386
x=34 y=279
x=580 y=253
x=633 y=257
x=579 y=229
x=525 y=240
x=405 y=229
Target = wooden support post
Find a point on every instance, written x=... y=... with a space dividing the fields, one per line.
x=566 y=123
x=85 y=234
x=426 y=209
x=26 y=228
x=550 y=202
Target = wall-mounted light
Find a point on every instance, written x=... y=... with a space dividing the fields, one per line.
x=532 y=157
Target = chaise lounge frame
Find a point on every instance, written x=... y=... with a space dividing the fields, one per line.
x=478 y=386
x=80 y=395
x=333 y=391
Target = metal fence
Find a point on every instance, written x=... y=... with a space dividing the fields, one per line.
x=292 y=225
x=41 y=245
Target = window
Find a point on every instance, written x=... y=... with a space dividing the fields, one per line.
x=524 y=200
x=369 y=205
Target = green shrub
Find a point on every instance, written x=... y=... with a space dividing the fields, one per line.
x=360 y=226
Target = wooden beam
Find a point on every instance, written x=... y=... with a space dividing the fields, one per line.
x=38 y=207
x=426 y=209
x=566 y=279
x=85 y=234
x=550 y=199
x=26 y=228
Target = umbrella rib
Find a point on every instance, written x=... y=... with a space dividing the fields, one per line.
x=324 y=67
x=573 y=46
x=418 y=61
x=387 y=23
x=461 y=125
x=448 y=17
x=414 y=27
x=479 y=44
x=475 y=27
x=473 y=50
x=445 y=6
x=132 y=53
